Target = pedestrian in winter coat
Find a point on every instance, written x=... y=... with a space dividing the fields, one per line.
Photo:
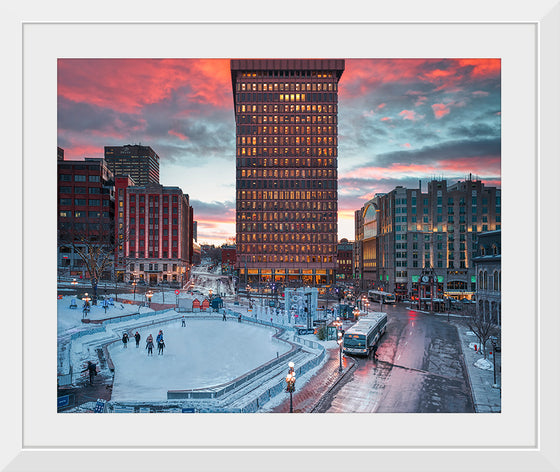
x=125 y=339
x=183 y=321
x=160 y=346
x=159 y=336
x=224 y=317
x=92 y=370
x=150 y=345
x=137 y=338
x=375 y=351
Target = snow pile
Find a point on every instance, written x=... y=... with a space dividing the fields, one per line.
x=484 y=364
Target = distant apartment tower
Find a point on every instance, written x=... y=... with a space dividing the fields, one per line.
x=344 y=271
x=404 y=232
x=59 y=154
x=86 y=209
x=141 y=163
x=153 y=230
x=286 y=115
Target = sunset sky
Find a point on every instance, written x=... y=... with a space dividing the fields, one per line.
x=400 y=121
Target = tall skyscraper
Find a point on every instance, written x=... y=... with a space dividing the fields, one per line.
x=140 y=162
x=286 y=114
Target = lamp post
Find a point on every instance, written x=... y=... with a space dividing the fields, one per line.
x=291 y=384
x=367 y=306
x=134 y=287
x=149 y=295
x=356 y=313
x=338 y=324
x=340 y=351
x=494 y=357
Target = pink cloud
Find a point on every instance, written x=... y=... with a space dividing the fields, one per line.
x=440 y=110
x=408 y=115
x=181 y=136
x=385 y=118
x=381 y=105
x=480 y=93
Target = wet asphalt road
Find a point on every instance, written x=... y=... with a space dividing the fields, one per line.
x=419 y=370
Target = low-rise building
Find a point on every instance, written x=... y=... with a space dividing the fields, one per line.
x=488 y=268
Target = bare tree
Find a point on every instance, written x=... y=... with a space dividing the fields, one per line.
x=93 y=240
x=483 y=328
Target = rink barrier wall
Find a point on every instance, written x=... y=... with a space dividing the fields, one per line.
x=69 y=377
x=254 y=404
x=220 y=390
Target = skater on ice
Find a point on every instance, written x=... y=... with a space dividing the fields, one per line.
x=183 y=321
x=125 y=339
x=137 y=338
x=150 y=344
x=159 y=336
x=160 y=346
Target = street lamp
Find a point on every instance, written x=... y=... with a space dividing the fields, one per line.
x=74 y=282
x=494 y=357
x=367 y=306
x=149 y=295
x=340 y=351
x=134 y=286
x=291 y=383
x=356 y=312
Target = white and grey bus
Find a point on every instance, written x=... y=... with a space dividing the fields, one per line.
x=378 y=295
x=360 y=338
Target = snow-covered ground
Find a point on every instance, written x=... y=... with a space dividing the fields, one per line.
x=71 y=318
x=204 y=353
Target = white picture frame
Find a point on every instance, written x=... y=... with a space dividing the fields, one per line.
x=39 y=439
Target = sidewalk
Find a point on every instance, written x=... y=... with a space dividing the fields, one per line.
x=308 y=397
x=486 y=398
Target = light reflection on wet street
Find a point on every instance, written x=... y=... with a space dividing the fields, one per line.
x=419 y=370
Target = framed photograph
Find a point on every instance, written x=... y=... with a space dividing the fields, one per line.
x=522 y=436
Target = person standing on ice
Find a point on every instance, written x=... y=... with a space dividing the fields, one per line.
x=159 y=336
x=224 y=316
x=150 y=344
x=183 y=321
x=160 y=346
x=125 y=339
x=137 y=338
x=92 y=370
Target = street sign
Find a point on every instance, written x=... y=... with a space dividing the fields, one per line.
x=63 y=401
x=99 y=406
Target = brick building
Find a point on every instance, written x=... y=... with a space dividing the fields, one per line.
x=154 y=231
x=86 y=207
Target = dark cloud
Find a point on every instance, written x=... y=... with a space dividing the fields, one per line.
x=448 y=150
x=221 y=211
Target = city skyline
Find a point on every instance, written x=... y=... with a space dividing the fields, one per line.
x=400 y=121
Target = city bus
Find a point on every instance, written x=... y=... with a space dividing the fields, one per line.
x=360 y=338
x=378 y=295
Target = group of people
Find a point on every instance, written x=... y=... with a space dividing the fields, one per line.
x=159 y=341
x=149 y=342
